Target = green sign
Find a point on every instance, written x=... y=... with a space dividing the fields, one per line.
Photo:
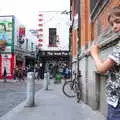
x=6 y=28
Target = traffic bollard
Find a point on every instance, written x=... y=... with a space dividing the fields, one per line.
x=46 y=79
x=30 y=90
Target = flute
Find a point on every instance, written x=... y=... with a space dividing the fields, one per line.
x=102 y=41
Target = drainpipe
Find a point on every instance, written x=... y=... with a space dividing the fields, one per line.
x=78 y=31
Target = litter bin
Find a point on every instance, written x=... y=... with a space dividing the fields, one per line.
x=58 y=78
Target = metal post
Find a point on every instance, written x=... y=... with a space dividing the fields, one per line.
x=30 y=90
x=46 y=81
x=46 y=76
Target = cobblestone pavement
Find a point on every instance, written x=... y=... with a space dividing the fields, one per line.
x=12 y=94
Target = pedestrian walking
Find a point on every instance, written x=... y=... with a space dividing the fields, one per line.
x=20 y=74
x=67 y=72
x=15 y=73
x=112 y=66
x=4 y=74
x=40 y=71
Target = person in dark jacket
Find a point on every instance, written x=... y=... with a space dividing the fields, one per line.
x=5 y=74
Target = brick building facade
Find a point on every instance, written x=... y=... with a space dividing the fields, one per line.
x=89 y=26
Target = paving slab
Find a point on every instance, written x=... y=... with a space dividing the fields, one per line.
x=53 y=105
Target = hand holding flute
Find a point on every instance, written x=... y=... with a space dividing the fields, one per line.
x=94 y=49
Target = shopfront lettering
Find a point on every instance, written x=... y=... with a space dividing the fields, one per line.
x=55 y=53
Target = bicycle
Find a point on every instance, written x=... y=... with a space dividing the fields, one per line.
x=72 y=88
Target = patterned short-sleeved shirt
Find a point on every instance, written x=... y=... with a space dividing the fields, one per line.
x=113 y=82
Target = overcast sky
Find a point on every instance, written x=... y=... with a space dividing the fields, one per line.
x=27 y=10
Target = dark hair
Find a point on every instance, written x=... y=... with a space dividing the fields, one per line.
x=115 y=11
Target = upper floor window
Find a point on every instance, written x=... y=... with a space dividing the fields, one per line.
x=96 y=6
x=52 y=36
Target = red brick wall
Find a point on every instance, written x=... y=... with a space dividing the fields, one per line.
x=89 y=31
x=86 y=27
x=103 y=16
x=74 y=33
x=74 y=43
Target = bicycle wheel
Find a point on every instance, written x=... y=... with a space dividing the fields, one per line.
x=68 y=89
